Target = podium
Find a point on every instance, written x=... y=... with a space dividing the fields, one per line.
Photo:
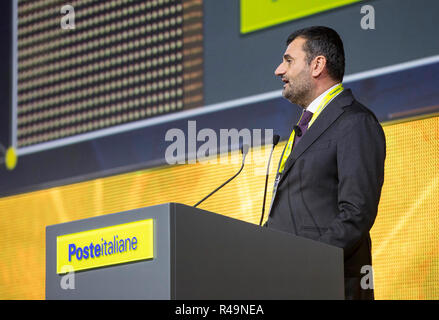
x=196 y=254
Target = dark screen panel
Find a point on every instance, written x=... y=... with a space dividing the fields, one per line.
x=123 y=61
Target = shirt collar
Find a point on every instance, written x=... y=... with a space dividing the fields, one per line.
x=316 y=102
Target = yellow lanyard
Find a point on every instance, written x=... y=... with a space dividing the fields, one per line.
x=330 y=95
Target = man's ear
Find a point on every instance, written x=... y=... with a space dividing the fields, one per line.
x=317 y=66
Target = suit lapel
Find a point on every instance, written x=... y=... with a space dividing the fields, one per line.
x=331 y=113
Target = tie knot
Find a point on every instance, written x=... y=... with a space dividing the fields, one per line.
x=306 y=117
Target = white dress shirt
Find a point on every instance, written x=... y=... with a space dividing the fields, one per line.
x=316 y=102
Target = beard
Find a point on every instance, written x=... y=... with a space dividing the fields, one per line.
x=299 y=89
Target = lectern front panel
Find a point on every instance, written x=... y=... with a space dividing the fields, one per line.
x=107 y=255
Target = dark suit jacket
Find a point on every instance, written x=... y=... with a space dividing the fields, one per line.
x=331 y=184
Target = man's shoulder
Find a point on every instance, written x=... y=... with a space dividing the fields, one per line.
x=358 y=109
x=355 y=116
x=355 y=111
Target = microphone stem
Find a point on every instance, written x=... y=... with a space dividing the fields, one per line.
x=242 y=166
x=266 y=183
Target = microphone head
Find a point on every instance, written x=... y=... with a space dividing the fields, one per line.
x=298 y=130
x=244 y=149
x=276 y=139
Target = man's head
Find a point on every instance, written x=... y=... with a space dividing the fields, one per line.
x=313 y=61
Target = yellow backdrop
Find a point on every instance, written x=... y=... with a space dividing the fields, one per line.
x=405 y=235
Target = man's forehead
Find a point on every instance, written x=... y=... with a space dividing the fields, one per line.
x=295 y=47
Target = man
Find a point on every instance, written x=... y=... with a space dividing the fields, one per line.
x=331 y=172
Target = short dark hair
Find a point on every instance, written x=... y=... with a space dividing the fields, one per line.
x=326 y=42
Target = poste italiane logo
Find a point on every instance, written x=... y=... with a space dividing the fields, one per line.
x=106 y=246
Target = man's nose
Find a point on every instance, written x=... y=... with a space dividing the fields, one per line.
x=280 y=70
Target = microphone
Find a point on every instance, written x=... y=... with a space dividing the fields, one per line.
x=244 y=151
x=298 y=131
x=276 y=138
